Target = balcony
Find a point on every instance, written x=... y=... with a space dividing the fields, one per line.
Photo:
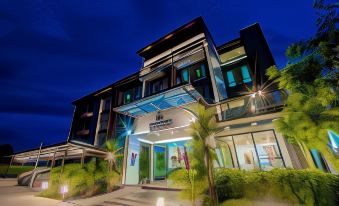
x=253 y=104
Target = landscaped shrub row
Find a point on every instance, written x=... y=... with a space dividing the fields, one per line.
x=84 y=181
x=294 y=186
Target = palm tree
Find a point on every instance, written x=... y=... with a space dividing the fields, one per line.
x=113 y=149
x=203 y=130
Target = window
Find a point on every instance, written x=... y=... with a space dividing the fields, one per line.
x=158 y=85
x=183 y=76
x=268 y=151
x=250 y=150
x=245 y=74
x=246 y=153
x=238 y=75
x=127 y=97
x=230 y=77
x=200 y=72
x=106 y=104
x=232 y=55
x=225 y=153
x=131 y=95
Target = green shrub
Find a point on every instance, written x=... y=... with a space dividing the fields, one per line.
x=91 y=179
x=304 y=187
x=14 y=169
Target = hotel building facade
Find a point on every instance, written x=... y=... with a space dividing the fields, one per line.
x=149 y=112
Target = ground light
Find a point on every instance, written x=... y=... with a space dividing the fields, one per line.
x=64 y=190
x=44 y=185
x=160 y=201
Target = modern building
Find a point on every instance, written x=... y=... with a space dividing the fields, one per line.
x=149 y=112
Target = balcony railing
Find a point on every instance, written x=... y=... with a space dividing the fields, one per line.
x=253 y=104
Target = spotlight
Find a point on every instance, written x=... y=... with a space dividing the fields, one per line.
x=253 y=95
x=64 y=190
x=260 y=92
x=129 y=132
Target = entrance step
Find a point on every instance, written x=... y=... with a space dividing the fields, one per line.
x=159 y=187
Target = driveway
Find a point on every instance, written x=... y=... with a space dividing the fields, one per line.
x=12 y=195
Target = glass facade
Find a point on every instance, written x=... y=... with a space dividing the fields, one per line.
x=257 y=150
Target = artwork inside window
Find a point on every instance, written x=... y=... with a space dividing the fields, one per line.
x=268 y=151
x=246 y=152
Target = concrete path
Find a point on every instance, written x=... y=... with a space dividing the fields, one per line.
x=134 y=196
x=13 y=195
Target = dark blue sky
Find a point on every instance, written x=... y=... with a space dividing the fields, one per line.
x=53 y=52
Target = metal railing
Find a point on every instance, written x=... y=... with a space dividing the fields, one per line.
x=253 y=104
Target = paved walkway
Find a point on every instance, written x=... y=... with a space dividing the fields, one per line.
x=12 y=195
x=134 y=196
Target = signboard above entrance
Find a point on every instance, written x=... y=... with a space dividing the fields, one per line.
x=160 y=123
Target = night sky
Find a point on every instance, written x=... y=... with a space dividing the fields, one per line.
x=53 y=52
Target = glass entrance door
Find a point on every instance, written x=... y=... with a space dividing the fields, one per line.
x=159 y=162
x=144 y=162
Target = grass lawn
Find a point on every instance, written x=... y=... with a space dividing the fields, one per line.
x=14 y=169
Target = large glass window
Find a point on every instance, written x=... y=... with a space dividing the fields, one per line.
x=268 y=151
x=225 y=153
x=159 y=163
x=246 y=153
x=144 y=162
x=238 y=75
x=258 y=150
x=232 y=55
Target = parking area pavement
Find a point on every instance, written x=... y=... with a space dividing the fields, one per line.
x=13 y=195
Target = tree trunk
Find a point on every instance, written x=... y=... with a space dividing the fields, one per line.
x=211 y=189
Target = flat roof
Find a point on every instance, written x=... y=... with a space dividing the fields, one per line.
x=179 y=35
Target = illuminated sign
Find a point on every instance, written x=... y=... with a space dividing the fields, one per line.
x=160 y=123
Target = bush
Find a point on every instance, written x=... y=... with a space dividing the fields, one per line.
x=14 y=169
x=85 y=181
x=304 y=187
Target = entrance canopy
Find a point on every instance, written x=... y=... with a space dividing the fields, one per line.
x=172 y=98
x=165 y=136
x=57 y=151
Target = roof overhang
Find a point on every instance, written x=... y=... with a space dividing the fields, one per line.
x=173 y=98
x=73 y=149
